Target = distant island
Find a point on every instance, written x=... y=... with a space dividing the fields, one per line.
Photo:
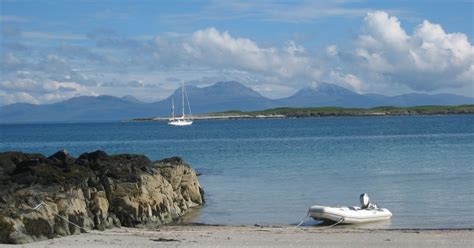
x=330 y=111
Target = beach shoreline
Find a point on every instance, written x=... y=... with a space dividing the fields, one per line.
x=201 y=235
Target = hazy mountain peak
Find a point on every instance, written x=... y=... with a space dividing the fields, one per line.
x=222 y=89
x=101 y=99
x=77 y=99
x=130 y=98
x=234 y=87
x=229 y=84
x=324 y=89
x=332 y=88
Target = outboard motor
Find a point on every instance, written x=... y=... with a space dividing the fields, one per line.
x=364 y=201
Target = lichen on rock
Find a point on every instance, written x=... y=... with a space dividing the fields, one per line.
x=94 y=191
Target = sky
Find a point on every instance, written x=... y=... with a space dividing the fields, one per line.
x=54 y=50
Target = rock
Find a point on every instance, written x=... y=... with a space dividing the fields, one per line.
x=94 y=191
x=61 y=158
x=10 y=160
x=183 y=179
x=61 y=155
x=92 y=159
x=172 y=161
x=94 y=156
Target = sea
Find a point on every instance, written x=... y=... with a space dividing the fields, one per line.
x=270 y=171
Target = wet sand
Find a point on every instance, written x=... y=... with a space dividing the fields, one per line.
x=256 y=236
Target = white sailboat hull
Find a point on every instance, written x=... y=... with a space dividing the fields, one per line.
x=180 y=122
x=349 y=215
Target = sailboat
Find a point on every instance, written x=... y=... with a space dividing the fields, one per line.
x=183 y=120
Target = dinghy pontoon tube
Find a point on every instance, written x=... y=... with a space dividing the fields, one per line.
x=368 y=212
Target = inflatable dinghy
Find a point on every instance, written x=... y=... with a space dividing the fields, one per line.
x=368 y=212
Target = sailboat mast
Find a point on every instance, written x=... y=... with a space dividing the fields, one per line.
x=172 y=107
x=182 y=96
x=187 y=101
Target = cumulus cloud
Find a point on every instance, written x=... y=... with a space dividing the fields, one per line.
x=429 y=59
x=349 y=81
x=293 y=49
x=34 y=92
x=220 y=49
x=39 y=87
x=9 y=98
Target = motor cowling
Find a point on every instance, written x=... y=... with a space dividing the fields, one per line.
x=364 y=200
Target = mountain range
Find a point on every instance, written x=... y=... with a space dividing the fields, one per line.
x=221 y=96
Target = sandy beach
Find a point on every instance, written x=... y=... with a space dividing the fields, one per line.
x=256 y=236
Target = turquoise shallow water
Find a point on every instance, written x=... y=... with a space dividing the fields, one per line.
x=271 y=171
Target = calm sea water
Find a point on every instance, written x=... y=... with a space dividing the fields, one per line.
x=271 y=171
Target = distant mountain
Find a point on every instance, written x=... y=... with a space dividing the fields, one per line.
x=83 y=108
x=332 y=95
x=221 y=96
x=130 y=98
x=325 y=94
x=218 y=97
x=425 y=99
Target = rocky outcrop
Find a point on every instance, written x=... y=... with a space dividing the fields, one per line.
x=94 y=191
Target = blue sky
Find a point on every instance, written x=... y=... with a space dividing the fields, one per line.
x=54 y=50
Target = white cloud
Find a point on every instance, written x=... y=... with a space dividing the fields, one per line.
x=220 y=49
x=349 y=81
x=429 y=59
x=23 y=84
x=293 y=49
x=385 y=30
x=56 y=92
x=40 y=87
x=331 y=50
x=9 y=98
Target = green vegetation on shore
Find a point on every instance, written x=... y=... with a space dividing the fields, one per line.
x=337 y=111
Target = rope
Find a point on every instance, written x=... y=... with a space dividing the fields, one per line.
x=307 y=215
x=303 y=220
x=37 y=207
x=337 y=223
